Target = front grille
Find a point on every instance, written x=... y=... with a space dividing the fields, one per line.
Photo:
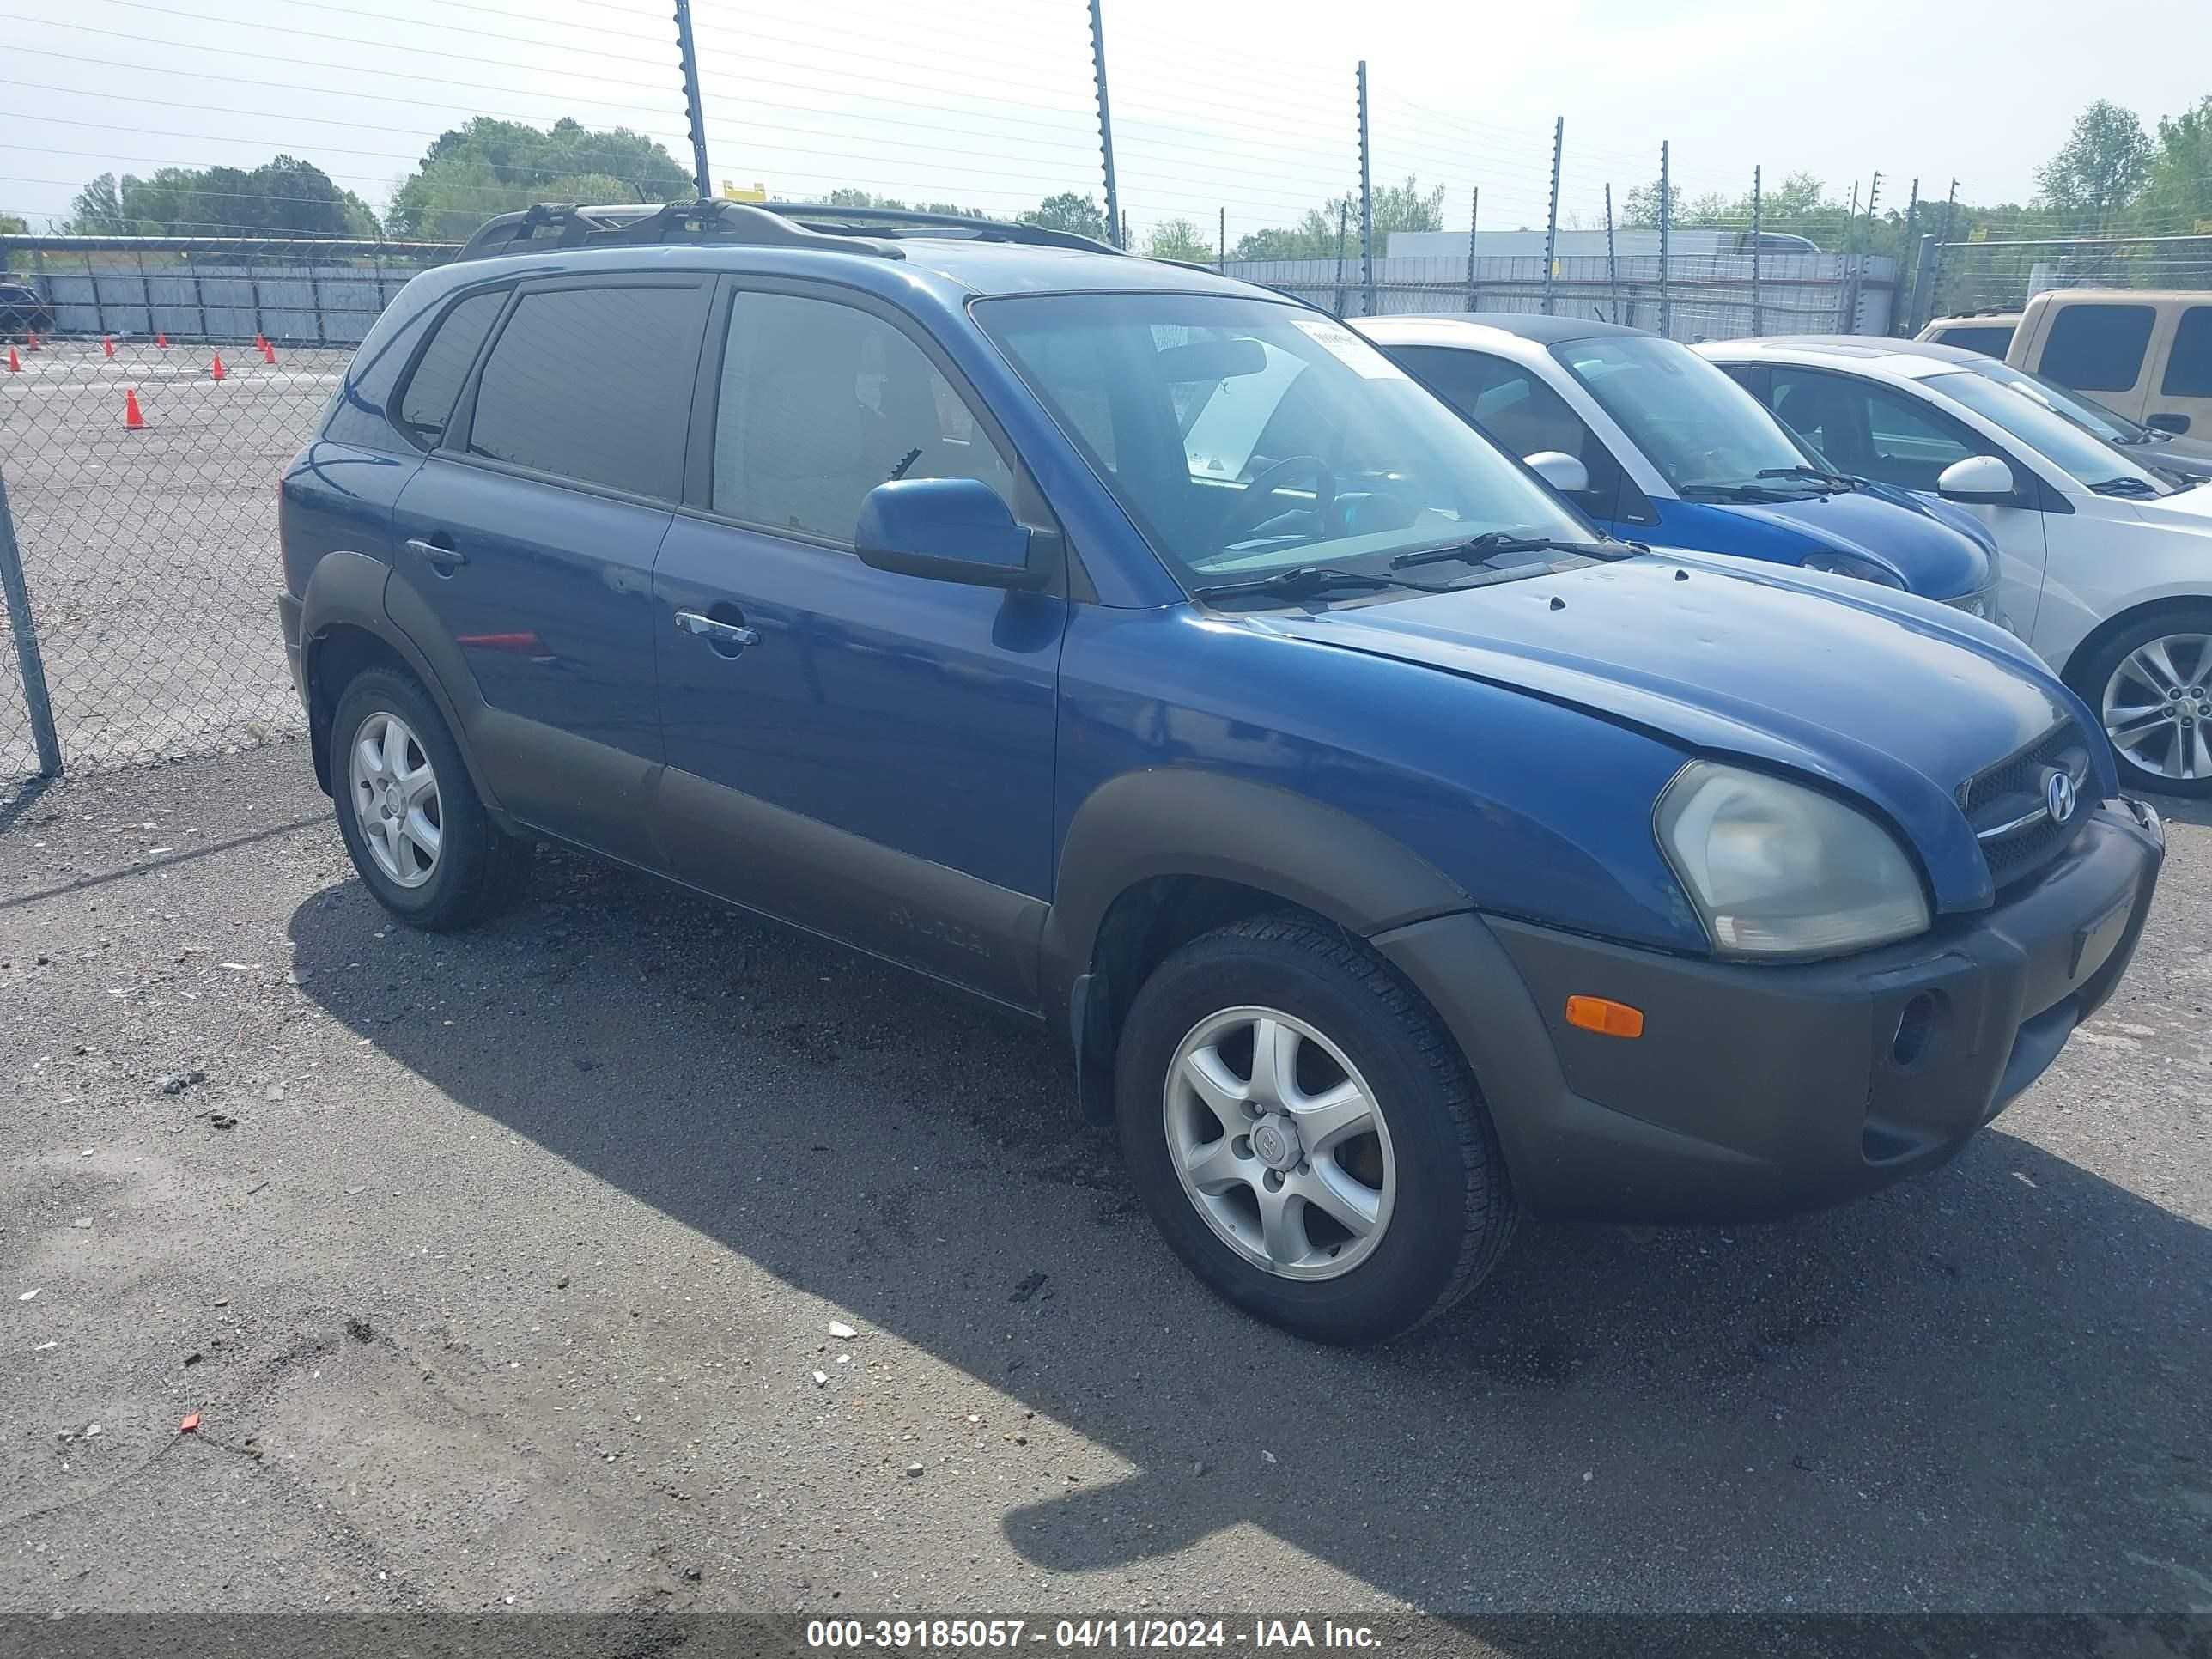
x=2013 y=791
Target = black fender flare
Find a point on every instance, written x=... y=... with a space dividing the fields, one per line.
x=348 y=589
x=1184 y=822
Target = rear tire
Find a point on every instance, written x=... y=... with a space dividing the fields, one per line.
x=2150 y=687
x=1347 y=1188
x=412 y=820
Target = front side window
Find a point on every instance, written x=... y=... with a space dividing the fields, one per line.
x=820 y=403
x=1513 y=404
x=2097 y=348
x=1871 y=430
x=593 y=384
x=427 y=402
x=2189 y=365
x=1698 y=428
x=1326 y=452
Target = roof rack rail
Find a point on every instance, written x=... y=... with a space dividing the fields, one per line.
x=820 y=226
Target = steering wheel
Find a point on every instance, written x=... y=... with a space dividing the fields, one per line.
x=1250 y=508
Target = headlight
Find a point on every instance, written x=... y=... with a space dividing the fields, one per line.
x=1779 y=870
x=1849 y=564
x=1982 y=604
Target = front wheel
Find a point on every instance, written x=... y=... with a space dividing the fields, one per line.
x=2151 y=685
x=1305 y=1133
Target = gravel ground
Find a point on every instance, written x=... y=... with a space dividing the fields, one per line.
x=502 y=1270
x=151 y=557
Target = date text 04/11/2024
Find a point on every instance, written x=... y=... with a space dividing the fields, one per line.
x=1169 y=1634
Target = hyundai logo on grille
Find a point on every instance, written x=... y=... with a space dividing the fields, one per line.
x=2057 y=795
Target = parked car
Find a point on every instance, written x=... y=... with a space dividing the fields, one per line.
x=2146 y=353
x=1989 y=333
x=1396 y=855
x=1653 y=442
x=23 y=311
x=2105 y=568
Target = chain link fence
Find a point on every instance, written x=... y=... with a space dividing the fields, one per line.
x=140 y=449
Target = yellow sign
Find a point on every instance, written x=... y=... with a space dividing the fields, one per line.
x=1979 y=234
x=2204 y=227
x=731 y=193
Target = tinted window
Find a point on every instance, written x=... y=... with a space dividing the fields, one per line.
x=427 y=402
x=2097 y=348
x=820 y=403
x=593 y=384
x=1991 y=340
x=1871 y=430
x=1514 y=405
x=2189 y=369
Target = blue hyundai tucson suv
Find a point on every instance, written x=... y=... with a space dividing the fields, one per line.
x=1396 y=854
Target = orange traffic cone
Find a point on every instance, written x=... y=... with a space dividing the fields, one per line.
x=15 y=363
x=216 y=373
x=160 y=339
x=260 y=341
x=132 y=420
x=30 y=341
x=268 y=352
x=107 y=344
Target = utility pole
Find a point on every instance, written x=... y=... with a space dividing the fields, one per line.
x=1118 y=233
x=1551 y=220
x=1366 y=205
x=700 y=173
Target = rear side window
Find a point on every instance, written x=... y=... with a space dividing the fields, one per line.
x=1514 y=405
x=427 y=402
x=2097 y=348
x=2189 y=368
x=1990 y=339
x=593 y=384
x=820 y=403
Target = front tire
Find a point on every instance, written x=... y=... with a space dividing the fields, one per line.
x=417 y=831
x=1305 y=1133
x=2150 y=686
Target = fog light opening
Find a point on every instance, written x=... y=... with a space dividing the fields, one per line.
x=1915 y=1026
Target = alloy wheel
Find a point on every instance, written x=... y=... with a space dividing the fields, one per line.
x=395 y=799
x=2157 y=706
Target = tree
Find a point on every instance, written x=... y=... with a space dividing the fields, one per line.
x=470 y=173
x=2179 y=191
x=1068 y=211
x=12 y=226
x=1178 y=239
x=2100 y=168
x=1396 y=207
x=281 y=196
x=1640 y=207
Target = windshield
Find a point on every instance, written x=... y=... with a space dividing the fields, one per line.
x=2091 y=417
x=1244 y=436
x=2088 y=459
x=1697 y=426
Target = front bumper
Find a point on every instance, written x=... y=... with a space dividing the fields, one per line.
x=1760 y=1089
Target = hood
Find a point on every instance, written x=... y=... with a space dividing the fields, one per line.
x=2185 y=509
x=1930 y=555
x=1895 y=704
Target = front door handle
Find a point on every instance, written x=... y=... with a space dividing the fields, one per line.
x=720 y=634
x=447 y=559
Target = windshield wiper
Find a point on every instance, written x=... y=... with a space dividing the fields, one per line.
x=1480 y=549
x=1839 y=481
x=1313 y=579
x=2125 y=487
x=1736 y=492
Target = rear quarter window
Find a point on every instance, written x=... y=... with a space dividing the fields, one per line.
x=427 y=402
x=2097 y=348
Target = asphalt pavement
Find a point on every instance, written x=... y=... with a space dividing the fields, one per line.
x=630 y=1255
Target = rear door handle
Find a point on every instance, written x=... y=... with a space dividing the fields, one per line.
x=715 y=632
x=450 y=557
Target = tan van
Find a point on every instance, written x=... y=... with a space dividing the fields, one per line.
x=2146 y=353
x=1989 y=333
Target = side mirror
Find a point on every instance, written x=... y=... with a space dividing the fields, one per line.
x=951 y=530
x=2166 y=421
x=1978 y=481
x=1559 y=470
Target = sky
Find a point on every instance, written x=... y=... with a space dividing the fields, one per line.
x=1241 y=111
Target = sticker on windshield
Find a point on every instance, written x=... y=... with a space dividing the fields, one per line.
x=1348 y=347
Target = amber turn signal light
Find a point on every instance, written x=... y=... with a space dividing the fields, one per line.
x=1604 y=1017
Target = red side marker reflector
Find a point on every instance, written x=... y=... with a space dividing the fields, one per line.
x=1604 y=1017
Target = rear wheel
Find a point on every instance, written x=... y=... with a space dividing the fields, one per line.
x=417 y=831
x=1305 y=1133
x=2151 y=685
